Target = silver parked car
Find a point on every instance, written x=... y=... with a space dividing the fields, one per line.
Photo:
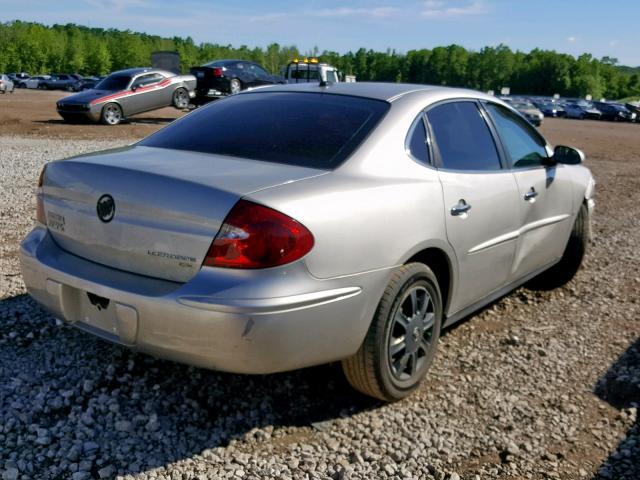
x=296 y=225
x=128 y=92
x=6 y=84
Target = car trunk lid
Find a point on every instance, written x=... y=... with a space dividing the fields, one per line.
x=168 y=205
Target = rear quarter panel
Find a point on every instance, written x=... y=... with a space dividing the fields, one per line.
x=374 y=211
x=187 y=81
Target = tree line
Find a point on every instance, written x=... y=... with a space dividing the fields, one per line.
x=36 y=48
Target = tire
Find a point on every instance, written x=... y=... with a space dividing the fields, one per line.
x=111 y=114
x=180 y=99
x=391 y=364
x=563 y=271
x=235 y=86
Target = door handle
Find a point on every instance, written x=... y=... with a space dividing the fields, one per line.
x=460 y=208
x=531 y=194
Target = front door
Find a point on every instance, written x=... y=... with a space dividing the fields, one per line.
x=480 y=198
x=149 y=93
x=545 y=193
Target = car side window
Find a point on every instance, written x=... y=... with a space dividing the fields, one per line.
x=523 y=144
x=463 y=137
x=259 y=72
x=148 y=79
x=416 y=144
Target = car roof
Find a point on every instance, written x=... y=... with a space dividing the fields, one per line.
x=375 y=90
x=138 y=70
x=225 y=61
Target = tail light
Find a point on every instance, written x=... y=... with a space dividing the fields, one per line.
x=217 y=72
x=255 y=236
x=40 y=215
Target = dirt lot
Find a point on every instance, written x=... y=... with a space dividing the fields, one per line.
x=33 y=113
x=540 y=385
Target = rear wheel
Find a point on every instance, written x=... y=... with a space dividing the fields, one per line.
x=181 y=98
x=402 y=339
x=235 y=86
x=111 y=114
x=563 y=271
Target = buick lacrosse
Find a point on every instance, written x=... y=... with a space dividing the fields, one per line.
x=296 y=225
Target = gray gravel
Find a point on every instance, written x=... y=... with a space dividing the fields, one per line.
x=540 y=385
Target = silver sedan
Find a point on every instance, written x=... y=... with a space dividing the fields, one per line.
x=295 y=225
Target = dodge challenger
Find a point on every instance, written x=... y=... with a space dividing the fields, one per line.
x=128 y=92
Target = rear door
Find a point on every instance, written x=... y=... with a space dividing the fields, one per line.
x=544 y=193
x=480 y=198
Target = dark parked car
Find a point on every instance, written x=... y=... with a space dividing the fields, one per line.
x=60 y=81
x=634 y=108
x=85 y=83
x=615 y=112
x=582 y=111
x=226 y=77
x=551 y=109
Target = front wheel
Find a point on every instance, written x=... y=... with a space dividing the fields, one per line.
x=111 y=114
x=402 y=338
x=180 y=98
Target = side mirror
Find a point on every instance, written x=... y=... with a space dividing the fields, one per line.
x=134 y=88
x=567 y=155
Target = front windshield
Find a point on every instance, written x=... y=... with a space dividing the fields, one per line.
x=114 y=82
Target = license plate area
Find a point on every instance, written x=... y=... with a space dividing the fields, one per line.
x=98 y=311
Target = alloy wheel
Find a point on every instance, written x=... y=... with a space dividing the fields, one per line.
x=410 y=334
x=182 y=99
x=112 y=114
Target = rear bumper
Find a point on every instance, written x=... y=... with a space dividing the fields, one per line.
x=238 y=321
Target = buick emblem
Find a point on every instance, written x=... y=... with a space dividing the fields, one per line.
x=106 y=208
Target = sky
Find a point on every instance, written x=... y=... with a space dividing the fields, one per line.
x=570 y=26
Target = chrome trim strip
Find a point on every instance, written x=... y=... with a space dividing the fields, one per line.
x=494 y=241
x=263 y=306
x=515 y=234
x=543 y=223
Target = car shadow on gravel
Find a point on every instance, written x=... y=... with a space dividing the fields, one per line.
x=620 y=387
x=150 y=120
x=129 y=121
x=67 y=397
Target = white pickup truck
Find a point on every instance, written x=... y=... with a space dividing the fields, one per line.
x=310 y=70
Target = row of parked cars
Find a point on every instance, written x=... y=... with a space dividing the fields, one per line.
x=71 y=82
x=136 y=90
x=535 y=109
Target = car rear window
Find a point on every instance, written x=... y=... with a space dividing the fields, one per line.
x=316 y=130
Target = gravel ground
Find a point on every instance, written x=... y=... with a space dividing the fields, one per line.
x=540 y=385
